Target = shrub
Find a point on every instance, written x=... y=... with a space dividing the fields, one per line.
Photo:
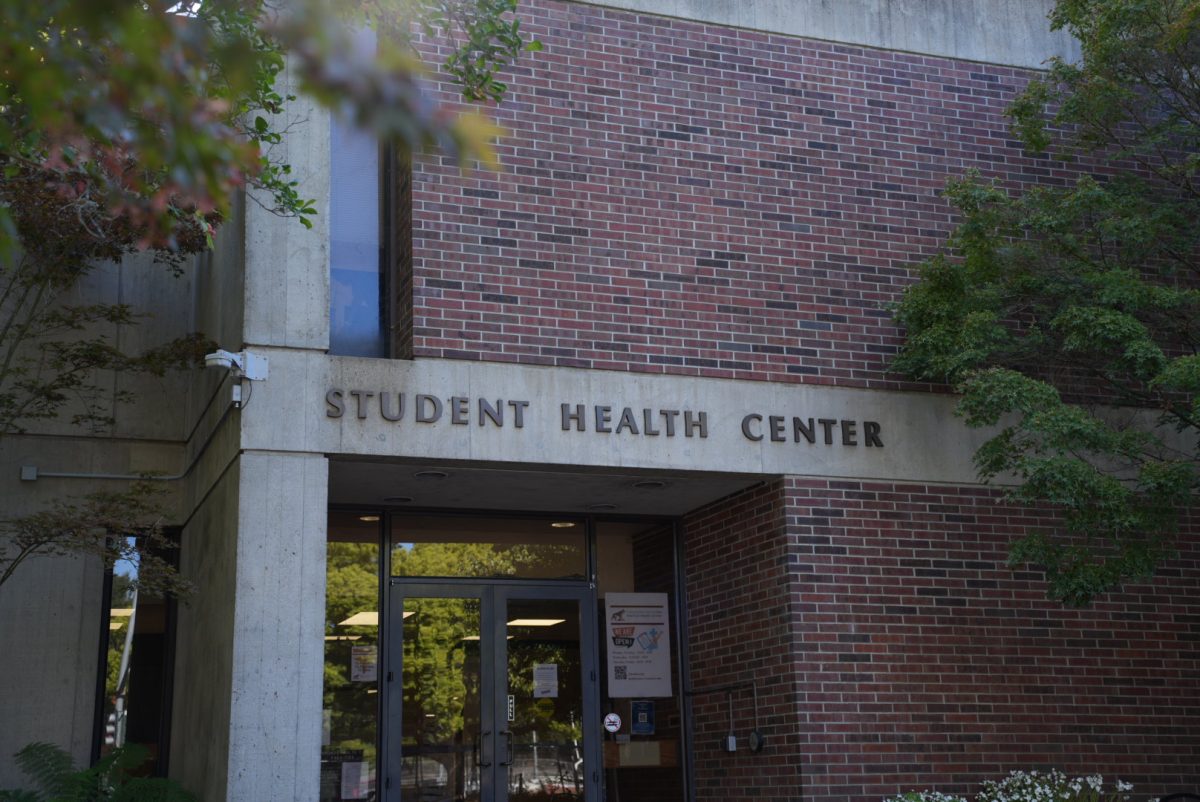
x=1052 y=786
x=57 y=780
x=926 y=796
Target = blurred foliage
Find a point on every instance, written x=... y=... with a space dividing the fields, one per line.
x=130 y=126
x=111 y=779
x=1068 y=315
x=141 y=119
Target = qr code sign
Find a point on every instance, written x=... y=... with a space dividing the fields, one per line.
x=619 y=672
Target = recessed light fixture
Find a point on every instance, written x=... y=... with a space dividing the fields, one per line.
x=473 y=638
x=563 y=524
x=430 y=475
x=367 y=618
x=398 y=499
x=601 y=507
x=650 y=484
x=368 y=519
x=536 y=622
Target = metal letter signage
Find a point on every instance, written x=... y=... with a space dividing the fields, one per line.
x=602 y=419
x=639 y=644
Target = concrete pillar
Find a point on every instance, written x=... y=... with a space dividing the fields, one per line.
x=278 y=629
x=250 y=658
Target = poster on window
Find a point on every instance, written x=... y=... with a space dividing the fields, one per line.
x=639 y=646
x=364 y=662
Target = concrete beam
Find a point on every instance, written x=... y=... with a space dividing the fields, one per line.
x=1011 y=32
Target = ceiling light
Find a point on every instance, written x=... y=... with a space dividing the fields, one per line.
x=367 y=618
x=601 y=507
x=368 y=519
x=115 y=624
x=430 y=475
x=476 y=637
x=650 y=484
x=536 y=622
x=121 y=612
x=398 y=499
x=342 y=637
x=563 y=524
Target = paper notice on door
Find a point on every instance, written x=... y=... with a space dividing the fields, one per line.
x=356 y=781
x=545 y=681
x=364 y=662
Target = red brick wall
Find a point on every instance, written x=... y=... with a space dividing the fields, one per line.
x=919 y=659
x=686 y=198
x=740 y=628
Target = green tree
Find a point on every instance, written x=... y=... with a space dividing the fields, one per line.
x=1069 y=316
x=129 y=126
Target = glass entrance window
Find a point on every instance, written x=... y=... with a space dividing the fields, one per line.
x=441 y=688
x=350 y=698
x=544 y=703
x=494 y=699
x=467 y=661
x=487 y=548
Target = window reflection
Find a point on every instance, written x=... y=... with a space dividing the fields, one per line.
x=441 y=736
x=478 y=547
x=350 y=704
x=136 y=704
x=355 y=298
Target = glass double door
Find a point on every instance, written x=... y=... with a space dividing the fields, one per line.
x=491 y=693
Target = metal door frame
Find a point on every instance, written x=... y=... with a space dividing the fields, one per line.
x=494 y=596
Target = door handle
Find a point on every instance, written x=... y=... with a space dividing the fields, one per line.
x=476 y=752
x=507 y=747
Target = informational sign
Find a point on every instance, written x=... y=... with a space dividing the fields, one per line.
x=356 y=780
x=641 y=717
x=334 y=775
x=545 y=681
x=612 y=722
x=364 y=662
x=639 y=646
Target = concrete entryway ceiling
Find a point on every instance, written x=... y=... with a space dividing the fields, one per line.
x=483 y=487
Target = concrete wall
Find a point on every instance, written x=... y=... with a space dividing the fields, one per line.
x=291 y=412
x=1013 y=32
x=278 y=629
x=204 y=648
x=286 y=290
x=50 y=629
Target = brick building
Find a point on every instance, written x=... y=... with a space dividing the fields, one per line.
x=562 y=476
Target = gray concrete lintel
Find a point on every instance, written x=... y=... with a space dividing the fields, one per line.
x=1009 y=32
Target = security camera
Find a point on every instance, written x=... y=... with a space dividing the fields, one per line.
x=243 y=364
x=223 y=359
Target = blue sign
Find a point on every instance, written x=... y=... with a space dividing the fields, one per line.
x=642 y=717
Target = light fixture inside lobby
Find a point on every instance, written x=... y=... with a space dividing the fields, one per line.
x=536 y=622
x=366 y=618
x=368 y=519
x=563 y=524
